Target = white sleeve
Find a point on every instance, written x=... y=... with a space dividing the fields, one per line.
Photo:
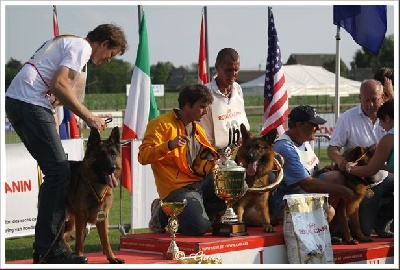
x=206 y=122
x=340 y=132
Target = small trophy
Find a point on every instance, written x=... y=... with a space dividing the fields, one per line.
x=229 y=182
x=173 y=209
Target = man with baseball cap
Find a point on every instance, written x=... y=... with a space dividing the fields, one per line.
x=300 y=163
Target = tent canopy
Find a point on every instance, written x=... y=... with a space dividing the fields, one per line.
x=302 y=80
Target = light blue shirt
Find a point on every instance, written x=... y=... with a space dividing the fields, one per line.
x=293 y=172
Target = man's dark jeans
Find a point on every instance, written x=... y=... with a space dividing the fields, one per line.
x=202 y=203
x=36 y=127
x=376 y=212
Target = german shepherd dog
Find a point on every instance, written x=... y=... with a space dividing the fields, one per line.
x=90 y=194
x=359 y=185
x=258 y=157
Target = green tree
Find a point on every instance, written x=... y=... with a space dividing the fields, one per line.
x=108 y=77
x=161 y=72
x=363 y=58
x=331 y=66
x=11 y=69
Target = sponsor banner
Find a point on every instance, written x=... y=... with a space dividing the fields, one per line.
x=23 y=178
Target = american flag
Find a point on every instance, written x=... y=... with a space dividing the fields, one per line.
x=276 y=106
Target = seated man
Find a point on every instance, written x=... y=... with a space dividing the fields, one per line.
x=300 y=163
x=171 y=144
x=360 y=126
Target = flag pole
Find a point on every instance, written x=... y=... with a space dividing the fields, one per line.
x=206 y=43
x=139 y=14
x=337 y=75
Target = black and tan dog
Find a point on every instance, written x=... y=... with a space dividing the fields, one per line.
x=90 y=194
x=258 y=157
x=359 y=185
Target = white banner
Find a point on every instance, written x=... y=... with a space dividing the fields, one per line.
x=22 y=186
x=143 y=190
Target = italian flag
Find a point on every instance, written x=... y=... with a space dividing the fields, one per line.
x=141 y=105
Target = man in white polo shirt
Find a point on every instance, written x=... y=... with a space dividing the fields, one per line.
x=359 y=126
x=226 y=113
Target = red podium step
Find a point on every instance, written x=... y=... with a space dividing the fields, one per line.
x=257 y=247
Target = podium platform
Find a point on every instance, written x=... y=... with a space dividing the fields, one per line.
x=256 y=248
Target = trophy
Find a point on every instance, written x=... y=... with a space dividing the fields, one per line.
x=229 y=184
x=173 y=209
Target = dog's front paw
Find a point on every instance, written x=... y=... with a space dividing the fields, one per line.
x=365 y=239
x=269 y=228
x=352 y=241
x=116 y=260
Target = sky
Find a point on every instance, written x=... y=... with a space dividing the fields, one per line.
x=174 y=28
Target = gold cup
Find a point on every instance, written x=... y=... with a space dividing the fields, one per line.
x=173 y=209
x=229 y=183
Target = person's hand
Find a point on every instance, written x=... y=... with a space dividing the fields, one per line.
x=388 y=89
x=179 y=141
x=342 y=164
x=350 y=165
x=96 y=122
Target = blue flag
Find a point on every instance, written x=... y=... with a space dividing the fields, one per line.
x=366 y=24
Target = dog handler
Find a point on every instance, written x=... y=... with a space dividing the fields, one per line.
x=53 y=76
x=172 y=144
x=300 y=162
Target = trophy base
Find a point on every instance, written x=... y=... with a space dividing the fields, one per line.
x=229 y=229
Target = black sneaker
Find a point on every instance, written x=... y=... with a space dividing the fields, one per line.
x=384 y=233
x=63 y=258
x=154 y=223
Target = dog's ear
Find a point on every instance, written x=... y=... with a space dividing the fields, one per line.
x=94 y=138
x=245 y=133
x=114 y=136
x=271 y=136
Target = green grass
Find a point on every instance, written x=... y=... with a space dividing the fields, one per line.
x=21 y=248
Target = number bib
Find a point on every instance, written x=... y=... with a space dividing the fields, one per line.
x=227 y=120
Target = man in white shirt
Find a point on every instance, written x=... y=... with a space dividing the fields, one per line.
x=359 y=126
x=226 y=113
x=53 y=76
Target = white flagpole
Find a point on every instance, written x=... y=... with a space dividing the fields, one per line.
x=337 y=75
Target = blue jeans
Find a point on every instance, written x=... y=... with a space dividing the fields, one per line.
x=202 y=204
x=377 y=211
x=36 y=127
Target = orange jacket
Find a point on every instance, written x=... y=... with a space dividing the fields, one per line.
x=170 y=167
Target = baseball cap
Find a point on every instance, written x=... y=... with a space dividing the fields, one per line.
x=306 y=113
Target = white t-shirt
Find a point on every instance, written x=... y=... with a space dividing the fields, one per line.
x=69 y=51
x=224 y=116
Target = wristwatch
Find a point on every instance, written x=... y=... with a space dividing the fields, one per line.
x=348 y=167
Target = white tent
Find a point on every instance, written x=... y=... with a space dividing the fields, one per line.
x=301 y=80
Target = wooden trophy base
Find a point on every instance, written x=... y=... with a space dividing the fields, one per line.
x=229 y=229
